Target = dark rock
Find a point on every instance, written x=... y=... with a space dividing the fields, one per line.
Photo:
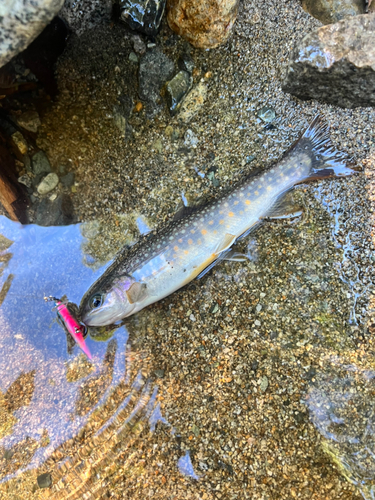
x=331 y=11
x=21 y=22
x=86 y=14
x=336 y=64
x=59 y=212
x=68 y=180
x=159 y=373
x=155 y=70
x=40 y=164
x=186 y=63
x=44 y=480
x=142 y=15
x=177 y=89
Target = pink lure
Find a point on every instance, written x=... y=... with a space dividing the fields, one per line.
x=75 y=329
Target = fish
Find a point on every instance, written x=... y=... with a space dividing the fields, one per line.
x=196 y=240
x=75 y=329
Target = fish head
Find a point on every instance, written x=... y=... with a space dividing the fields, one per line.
x=106 y=304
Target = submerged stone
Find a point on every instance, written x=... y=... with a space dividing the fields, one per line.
x=331 y=11
x=193 y=102
x=48 y=184
x=266 y=114
x=155 y=70
x=205 y=24
x=142 y=15
x=177 y=89
x=336 y=64
x=40 y=163
x=44 y=480
x=59 y=212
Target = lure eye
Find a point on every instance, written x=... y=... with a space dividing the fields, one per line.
x=96 y=301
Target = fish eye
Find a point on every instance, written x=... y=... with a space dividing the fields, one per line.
x=96 y=301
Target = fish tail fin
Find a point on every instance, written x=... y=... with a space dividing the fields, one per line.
x=327 y=161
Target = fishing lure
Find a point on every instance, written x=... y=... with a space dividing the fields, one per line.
x=75 y=329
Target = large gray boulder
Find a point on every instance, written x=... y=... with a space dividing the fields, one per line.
x=336 y=64
x=21 y=21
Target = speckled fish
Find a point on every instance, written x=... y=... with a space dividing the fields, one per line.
x=188 y=247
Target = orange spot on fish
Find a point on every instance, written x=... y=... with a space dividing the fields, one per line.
x=180 y=240
x=221 y=221
x=190 y=241
x=215 y=232
x=186 y=252
x=211 y=222
x=192 y=231
x=248 y=202
x=204 y=231
x=231 y=214
x=236 y=202
x=175 y=248
x=256 y=193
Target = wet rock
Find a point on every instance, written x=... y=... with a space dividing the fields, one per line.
x=155 y=70
x=142 y=15
x=59 y=212
x=133 y=57
x=20 y=143
x=25 y=180
x=186 y=63
x=48 y=184
x=177 y=89
x=21 y=23
x=331 y=11
x=68 y=180
x=336 y=64
x=266 y=114
x=191 y=140
x=139 y=45
x=44 y=480
x=29 y=121
x=83 y=15
x=40 y=164
x=193 y=102
x=205 y=24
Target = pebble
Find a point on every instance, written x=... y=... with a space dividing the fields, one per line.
x=20 y=142
x=29 y=121
x=25 y=180
x=177 y=89
x=193 y=102
x=40 y=163
x=49 y=182
x=266 y=114
x=139 y=45
x=190 y=139
x=44 y=480
x=68 y=180
x=133 y=57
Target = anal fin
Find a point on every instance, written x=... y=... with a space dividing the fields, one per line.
x=284 y=208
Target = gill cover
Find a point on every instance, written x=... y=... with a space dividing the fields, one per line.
x=107 y=304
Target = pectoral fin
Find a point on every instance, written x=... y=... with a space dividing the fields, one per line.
x=137 y=292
